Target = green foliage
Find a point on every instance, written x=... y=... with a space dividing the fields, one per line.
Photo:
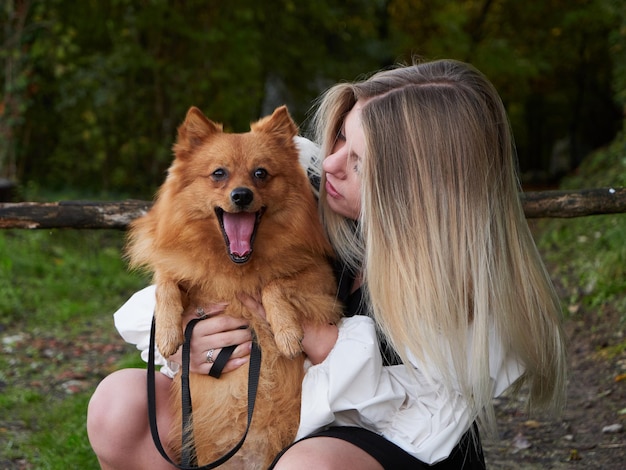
x=97 y=88
x=551 y=61
x=588 y=255
x=113 y=79
x=603 y=169
x=617 y=42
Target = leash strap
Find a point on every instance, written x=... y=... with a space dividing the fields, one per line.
x=221 y=360
x=188 y=453
x=253 y=381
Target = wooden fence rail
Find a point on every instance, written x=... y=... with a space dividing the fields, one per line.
x=117 y=215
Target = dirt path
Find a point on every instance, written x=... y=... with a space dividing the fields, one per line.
x=591 y=433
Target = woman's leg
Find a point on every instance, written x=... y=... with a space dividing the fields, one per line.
x=326 y=453
x=117 y=421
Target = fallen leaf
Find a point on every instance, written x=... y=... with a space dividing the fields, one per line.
x=520 y=442
x=612 y=428
x=574 y=455
x=532 y=424
x=573 y=308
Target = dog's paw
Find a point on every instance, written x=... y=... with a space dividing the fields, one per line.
x=289 y=343
x=168 y=341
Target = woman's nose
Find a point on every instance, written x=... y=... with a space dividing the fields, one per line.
x=335 y=163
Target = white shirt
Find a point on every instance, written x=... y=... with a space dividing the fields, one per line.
x=352 y=387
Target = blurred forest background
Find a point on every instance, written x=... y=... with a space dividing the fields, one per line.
x=93 y=90
x=92 y=93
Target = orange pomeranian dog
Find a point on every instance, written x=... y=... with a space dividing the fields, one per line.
x=237 y=214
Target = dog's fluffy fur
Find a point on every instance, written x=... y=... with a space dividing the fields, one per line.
x=226 y=195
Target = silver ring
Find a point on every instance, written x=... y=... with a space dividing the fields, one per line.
x=200 y=313
x=209 y=356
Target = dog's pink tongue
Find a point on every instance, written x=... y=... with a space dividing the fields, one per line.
x=239 y=228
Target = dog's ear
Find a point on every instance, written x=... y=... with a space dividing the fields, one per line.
x=279 y=124
x=194 y=131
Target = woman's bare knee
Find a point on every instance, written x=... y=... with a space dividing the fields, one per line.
x=117 y=420
x=114 y=410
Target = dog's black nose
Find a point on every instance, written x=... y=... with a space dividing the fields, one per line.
x=241 y=197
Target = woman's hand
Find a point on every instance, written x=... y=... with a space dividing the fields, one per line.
x=318 y=339
x=214 y=332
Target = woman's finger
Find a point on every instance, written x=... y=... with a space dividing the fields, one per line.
x=239 y=356
x=203 y=344
x=203 y=311
x=218 y=325
x=215 y=332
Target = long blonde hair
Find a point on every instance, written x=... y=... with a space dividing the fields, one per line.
x=442 y=240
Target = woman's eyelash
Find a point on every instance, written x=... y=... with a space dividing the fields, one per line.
x=357 y=161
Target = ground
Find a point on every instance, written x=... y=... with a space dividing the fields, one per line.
x=589 y=435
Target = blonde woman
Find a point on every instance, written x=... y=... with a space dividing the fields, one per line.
x=447 y=301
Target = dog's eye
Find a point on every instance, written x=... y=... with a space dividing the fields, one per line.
x=219 y=174
x=260 y=173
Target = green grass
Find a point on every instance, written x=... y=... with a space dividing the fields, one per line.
x=60 y=440
x=588 y=254
x=56 y=285
x=56 y=276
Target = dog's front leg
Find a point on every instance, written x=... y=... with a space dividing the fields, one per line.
x=283 y=319
x=168 y=315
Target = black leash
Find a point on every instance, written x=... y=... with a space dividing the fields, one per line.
x=188 y=457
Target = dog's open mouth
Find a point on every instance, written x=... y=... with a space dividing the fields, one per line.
x=239 y=230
